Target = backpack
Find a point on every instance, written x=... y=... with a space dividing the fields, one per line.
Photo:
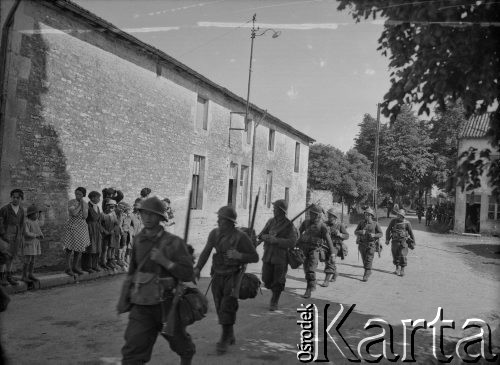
x=193 y=306
x=250 y=285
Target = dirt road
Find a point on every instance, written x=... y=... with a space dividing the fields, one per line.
x=78 y=325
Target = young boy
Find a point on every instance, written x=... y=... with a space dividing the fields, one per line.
x=156 y=256
x=12 y=231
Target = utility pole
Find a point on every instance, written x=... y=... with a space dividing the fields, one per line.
x=375 y=164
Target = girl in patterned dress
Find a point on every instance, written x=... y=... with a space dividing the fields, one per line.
x=76 y=237
x=31 y=245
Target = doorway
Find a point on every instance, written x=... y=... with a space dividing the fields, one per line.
x=473 y=213
x=232 y=185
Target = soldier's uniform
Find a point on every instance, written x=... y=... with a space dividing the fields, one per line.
x=399 y=231
x=224 y=271
x=313 y=233
x=338 y=234
x=368 y=233
x=278 y=235
x=152 y=293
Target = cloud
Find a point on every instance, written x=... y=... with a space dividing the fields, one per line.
x=369 y=71
x=309 y=46
x=232 y=60
x=322 y=63
x=299 y=26
x=292 y=93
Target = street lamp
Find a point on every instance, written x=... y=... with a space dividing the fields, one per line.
x=255 y=32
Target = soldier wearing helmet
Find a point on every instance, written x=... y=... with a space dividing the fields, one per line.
x=157 y=257
x=278 y=236
x=400 y=232
x=233 y=248
x=338 y=234
x=313 y=233
x=368 y=232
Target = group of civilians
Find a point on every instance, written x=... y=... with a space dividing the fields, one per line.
x=95 y=237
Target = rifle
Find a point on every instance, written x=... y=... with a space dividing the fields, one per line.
x=169 y=324
x=236 y=288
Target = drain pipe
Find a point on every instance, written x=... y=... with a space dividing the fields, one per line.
x=3 y=63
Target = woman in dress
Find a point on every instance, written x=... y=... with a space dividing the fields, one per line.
x=76 y=236
x=94 y=222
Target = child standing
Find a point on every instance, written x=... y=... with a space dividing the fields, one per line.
x=31 y=245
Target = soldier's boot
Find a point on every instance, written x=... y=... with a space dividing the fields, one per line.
x=77 y=269
x=334 y=277
x=397 y=272
x=274 y=300
x=11 y=279
x=3 y=279
x=69 y=270
x=310 y=288
x=25 y=276
x=226 y=339
x=31 y=268
x=402 y=272
x=367 y=275
x=325 y=283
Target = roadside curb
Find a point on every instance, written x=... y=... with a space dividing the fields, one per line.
x=59 y=279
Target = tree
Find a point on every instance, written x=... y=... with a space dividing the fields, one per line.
x=346 y=176
x=441 y=51
x=405 y=156
x=365 y=140
x=444 y=130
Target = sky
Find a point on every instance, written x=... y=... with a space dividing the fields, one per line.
x=321 y=75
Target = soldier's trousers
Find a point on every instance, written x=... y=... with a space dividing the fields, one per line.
x=145 y=322
x=399 y=251
x=274 y=276
x=225 y=304
x=331 y=263
x=310 y=264
x=367 y=252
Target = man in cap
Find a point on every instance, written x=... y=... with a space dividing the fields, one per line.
x=368 y=232
x=338 y=234
x=400 y=232
x=157 y=257
x=233 y=248
x=313 y=233
x=278 y=236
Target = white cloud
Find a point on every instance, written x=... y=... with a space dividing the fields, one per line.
x=302 y=26
x=292 y=93
x=232 y=60
x=322 y=63
x=309 y=46
x=369 y=71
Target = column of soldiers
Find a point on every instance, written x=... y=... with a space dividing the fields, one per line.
x=159 y=256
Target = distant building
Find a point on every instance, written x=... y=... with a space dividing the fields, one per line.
x=476 y=211
x=86 y=104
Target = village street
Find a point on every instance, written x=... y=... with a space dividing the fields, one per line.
x=78 y=324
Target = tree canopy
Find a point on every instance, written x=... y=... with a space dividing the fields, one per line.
x=347 y=176
x=440 y=51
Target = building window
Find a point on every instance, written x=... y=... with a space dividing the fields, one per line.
x=249 y=131
x=244 y=187
x=287 y=195
x=493 y=209
x=297 y=157
x=270 y=146
x=233 y=185
x=269 y=187
x=197 y=182
x=202 y=113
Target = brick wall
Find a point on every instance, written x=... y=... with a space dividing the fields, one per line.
x=86 y=109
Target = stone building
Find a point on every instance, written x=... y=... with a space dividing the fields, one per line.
x=476 y=211
x=86 y=104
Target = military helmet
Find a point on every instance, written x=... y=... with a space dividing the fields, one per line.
x=315 y=209
x=154 y=205
x=281 y=204
x=228 y=213
x=332 y=212
x=402 y=213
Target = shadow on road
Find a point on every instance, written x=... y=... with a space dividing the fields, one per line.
x=489 y=251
